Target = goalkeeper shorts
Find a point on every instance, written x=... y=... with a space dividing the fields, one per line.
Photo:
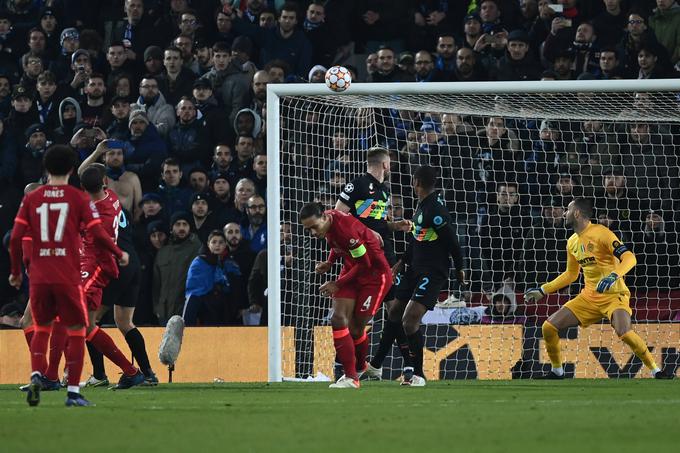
x=589 y=312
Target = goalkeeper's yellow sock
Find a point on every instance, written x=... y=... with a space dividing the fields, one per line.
x=552 y=344
x=640 y=349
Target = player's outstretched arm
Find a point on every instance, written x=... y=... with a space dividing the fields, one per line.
x=566 y=278
x=400 y=225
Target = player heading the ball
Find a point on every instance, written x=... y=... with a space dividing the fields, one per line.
x=357 y=293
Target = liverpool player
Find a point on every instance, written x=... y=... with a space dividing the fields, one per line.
x=98 y=267
x=363 y=282
x=53 y=216
x=367 y=198
x=434 y=241
x=605 y=260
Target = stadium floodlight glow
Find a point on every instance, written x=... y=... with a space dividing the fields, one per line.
x=301 y=121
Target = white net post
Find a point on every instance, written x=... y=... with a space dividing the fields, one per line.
x=274 y=347
x=553 y=136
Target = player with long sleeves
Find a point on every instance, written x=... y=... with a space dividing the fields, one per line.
x=53 y=216
x=605 y=260
x=360 y=288
x=428 y=257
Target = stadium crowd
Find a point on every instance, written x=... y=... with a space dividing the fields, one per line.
x=179 y=89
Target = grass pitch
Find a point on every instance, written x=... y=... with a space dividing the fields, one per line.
x=477 y=416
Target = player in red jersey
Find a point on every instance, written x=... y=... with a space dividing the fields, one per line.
x=58 y=335
x=53 y=217
x=357 y=293
x=98 y=267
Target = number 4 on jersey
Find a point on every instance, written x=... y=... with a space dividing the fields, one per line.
x=367 y=304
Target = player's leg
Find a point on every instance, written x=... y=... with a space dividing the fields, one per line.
x=621 y=322
x=98 y=377
x=370 y=295
x=123 y=294
x=70 y=302
x=342 y=340
x=26 y=323
x=43 y=311
x=105 y=344
x=58 y=339
x=393 y=329
x=559 y=320
x=426 y=289
x=413 y=315
x=135 y=340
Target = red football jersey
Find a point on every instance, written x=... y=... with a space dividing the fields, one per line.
x=351 y=239
x=53 y=216
x=109 y=212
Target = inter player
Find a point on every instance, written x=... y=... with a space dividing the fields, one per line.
x=605 y=260
x=122 y=294
x=363 y=282
x=367 y=198
x=53 y=216
x=98 y=267
x=434 y=241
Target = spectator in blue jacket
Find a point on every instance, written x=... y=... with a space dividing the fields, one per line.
x=148 y=152
x=214 y=286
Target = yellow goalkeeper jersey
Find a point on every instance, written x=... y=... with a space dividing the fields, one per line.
x=598 y=252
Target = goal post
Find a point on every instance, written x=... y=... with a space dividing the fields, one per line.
x=315 y=140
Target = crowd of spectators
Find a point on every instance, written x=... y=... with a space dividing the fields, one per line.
x=178 y=90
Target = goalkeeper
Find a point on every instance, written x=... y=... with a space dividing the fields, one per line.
x=605 y=260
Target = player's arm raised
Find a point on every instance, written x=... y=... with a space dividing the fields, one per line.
x=566 y=278
x=94 y=157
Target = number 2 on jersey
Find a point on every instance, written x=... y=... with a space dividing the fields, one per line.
x=44 y=212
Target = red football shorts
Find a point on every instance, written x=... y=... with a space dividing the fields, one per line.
x=49 y=300
x=94 y=283
x=367 y=294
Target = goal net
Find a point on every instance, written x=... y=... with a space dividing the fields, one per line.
x=511 y=156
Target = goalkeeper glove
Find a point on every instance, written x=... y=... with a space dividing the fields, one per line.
x=607 y=282
x=534 y=294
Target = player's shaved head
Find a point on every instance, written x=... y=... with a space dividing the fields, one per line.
x=59 y=160
x=31 y=186
x=377 y=155
x=585 y=207
x=92 y=179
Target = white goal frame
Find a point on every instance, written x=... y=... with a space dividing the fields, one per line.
x=276 y=91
